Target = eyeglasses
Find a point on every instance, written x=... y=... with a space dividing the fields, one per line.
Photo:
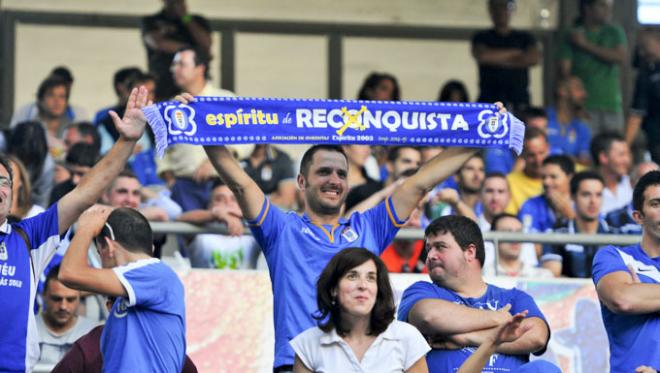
x=5 y=182
x=107 y=231
x=110 y=231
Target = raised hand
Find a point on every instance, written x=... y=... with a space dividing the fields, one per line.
x=131 y=126
x=512 y=329
x=94 y=218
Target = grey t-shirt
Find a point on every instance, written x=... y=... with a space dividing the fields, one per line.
x=53 y=346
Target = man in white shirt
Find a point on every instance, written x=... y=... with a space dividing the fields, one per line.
x=185 y=167
x=611 y=156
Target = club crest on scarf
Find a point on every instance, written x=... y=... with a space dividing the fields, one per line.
x=180 y=119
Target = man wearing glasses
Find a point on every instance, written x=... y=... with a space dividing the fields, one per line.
x=27 y=247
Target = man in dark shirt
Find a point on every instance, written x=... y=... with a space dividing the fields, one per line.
x=645 y=108
x=504 y=56
x=164 y=34
x=573 y=260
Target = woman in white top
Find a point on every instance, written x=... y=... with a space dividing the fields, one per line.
x=356 y=328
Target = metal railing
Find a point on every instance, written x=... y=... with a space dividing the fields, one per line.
x=417 y=234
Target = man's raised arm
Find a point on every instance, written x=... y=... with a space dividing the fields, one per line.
x=91 y=186
x=248 y=194
x=406 y=197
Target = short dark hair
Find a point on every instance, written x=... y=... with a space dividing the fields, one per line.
x=373 y=80
x=603 y=143
x=330 y=310
x=452 y=86
x=532 y=132
x=123 y=75
x=496 y=174
x=465 y=231
x=532 y=112
x=140 y=79
x=202 y=57
x=217 y=182
x=582 y=176
x=497 y=218
x=394 y=152
x=130 y=229
x=4 y=161
x=64 y=73
x=650 y=179
x=126 y=172
x=563 y=161
x=28 y=142
x=52 y=275
x=49 y=83
x=82 y=154
x=88 y=129
x=309 y=156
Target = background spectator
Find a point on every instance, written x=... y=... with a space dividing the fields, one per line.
x=504 y=56
x=167 y=31
x=510 y=258
x=593 y=50
x=58 y=324
x=574 y=260
x=612 y=159
x=27 y=141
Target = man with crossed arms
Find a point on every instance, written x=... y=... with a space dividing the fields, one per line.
x=627 y=280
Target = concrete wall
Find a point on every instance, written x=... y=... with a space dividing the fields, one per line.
x=266 y=65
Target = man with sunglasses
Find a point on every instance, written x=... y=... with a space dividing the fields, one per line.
x=146 y=328
x=26 y=247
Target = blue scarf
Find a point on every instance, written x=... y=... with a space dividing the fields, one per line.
x=240 y=120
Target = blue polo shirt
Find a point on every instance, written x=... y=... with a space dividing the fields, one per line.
x=19 y=339
x=536 y=215
x=573 y=140
x=298 y=249
x=146 y=332
x=576 y=259
x=621 y=219
x=634 y=339
x=443 y=361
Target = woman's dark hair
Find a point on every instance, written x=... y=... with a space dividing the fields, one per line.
x=27 y=141
x=24 y=195
x=329 y=310
x=372 y=82
x=451 y=87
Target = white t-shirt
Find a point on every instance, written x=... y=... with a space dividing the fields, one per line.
x=621 y=197
x=395 y=350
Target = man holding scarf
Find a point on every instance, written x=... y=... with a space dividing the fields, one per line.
x=297 y=248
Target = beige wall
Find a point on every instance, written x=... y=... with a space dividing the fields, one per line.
x=266 y=65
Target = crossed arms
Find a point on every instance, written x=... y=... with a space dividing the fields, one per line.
x=457 y=326
x=623 y=293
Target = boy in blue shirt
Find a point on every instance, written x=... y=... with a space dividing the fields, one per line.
x=146 y=328
x=628 y=284
x=27 y=247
